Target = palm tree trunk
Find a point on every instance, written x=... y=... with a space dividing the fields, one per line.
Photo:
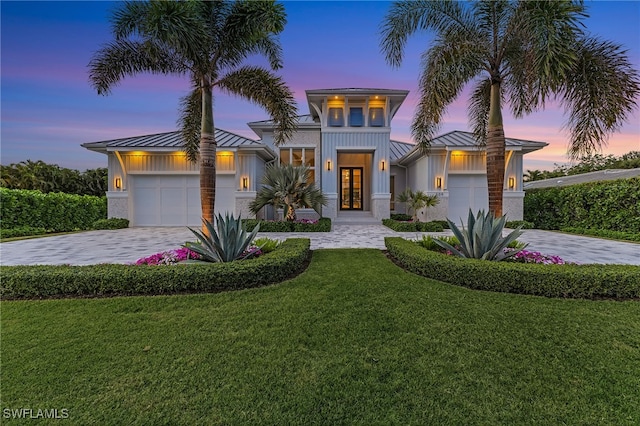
x=207 y=156
x=495 y=152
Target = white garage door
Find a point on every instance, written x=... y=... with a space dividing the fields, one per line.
x=173 y=200
x=466 y=191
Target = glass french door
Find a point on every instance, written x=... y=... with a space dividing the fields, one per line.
x=351 y=188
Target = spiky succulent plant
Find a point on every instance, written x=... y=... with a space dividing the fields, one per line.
x=482 y=238
x=227 y=243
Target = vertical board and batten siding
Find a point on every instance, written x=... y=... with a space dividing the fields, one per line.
x=376 y=143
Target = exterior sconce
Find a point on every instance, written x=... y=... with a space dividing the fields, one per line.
x=118 y=183
x=328 y=165
x=382 y=165
x=245 y=183
x=512 y=182
x=439 y=182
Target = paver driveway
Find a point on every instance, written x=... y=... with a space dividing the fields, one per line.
x=128 y=245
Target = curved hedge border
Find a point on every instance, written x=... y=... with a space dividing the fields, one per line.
x=568 y=281
x=39 y=282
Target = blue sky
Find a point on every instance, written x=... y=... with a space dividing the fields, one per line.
x=48 y=107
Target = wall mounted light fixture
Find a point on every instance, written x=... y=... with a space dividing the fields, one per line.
x=439 y=182
x=245 y=182
x=328 y=165
x=118 y=183
x=382 y=165
x=512 y=182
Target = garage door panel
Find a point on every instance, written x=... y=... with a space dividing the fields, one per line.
x=174 y=200
x=465 y=192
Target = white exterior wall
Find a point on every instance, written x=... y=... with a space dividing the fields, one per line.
x=376 y=186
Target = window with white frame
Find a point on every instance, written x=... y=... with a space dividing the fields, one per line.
x=299 y=157
x=336 y=117
x=376 y=117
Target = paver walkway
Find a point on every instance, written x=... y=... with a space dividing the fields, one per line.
x=128 y=245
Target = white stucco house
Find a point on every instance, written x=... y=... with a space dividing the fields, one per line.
x=346 y=142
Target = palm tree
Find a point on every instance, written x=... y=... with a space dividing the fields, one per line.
x=518 y=53
x=417 y=200
x=532 y=175
x=288 y=187
x=208 y=41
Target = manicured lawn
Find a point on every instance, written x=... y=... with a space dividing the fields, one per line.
x=354 y=340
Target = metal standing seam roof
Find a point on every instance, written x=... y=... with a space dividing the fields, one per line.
x=224 y=139
x=398 y=149
x=302 y=119
x=461 y=140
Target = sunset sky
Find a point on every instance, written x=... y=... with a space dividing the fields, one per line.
x=49 y=108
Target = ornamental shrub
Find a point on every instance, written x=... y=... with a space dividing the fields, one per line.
x=23 y=231
x=611 y=205
x=43 y=281
x=111 y=223
x=401 y=226
x=304 y=225
x=401 y=217
x=54 y=211
x=567 y=281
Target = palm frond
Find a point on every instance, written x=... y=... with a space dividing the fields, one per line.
x=406 y=18
x=128 y=19
x=600 y=94
x=267 y=90
x=250 y=27
x=452 y=61
x=189 y=123
x=122 y=58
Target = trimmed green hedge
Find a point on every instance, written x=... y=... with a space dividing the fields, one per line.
x=23 y=231
x=55 y=211
x=611 y=205
x=570 y=281
x=38 y=282
x=615 y=235
x=323 y=225
x=111 y=223
x=523 y=224
x=400 y=226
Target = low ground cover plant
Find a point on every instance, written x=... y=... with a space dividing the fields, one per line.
x=111 y=223
x=565 y=281
x=411 y=226
x=41 y=281
x=301 y=225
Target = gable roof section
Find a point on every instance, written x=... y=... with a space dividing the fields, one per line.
x=304 y=122
x=172 y=141
x=465 y=141
x=398 y=149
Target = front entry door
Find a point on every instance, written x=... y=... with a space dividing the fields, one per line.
x=351 y=188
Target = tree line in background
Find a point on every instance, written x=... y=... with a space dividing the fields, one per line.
x=592 y=163
x=44 y=177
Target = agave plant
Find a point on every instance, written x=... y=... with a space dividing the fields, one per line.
x=482 y=239
x=226 y=244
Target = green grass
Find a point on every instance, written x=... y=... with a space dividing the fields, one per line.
x=353 y=340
